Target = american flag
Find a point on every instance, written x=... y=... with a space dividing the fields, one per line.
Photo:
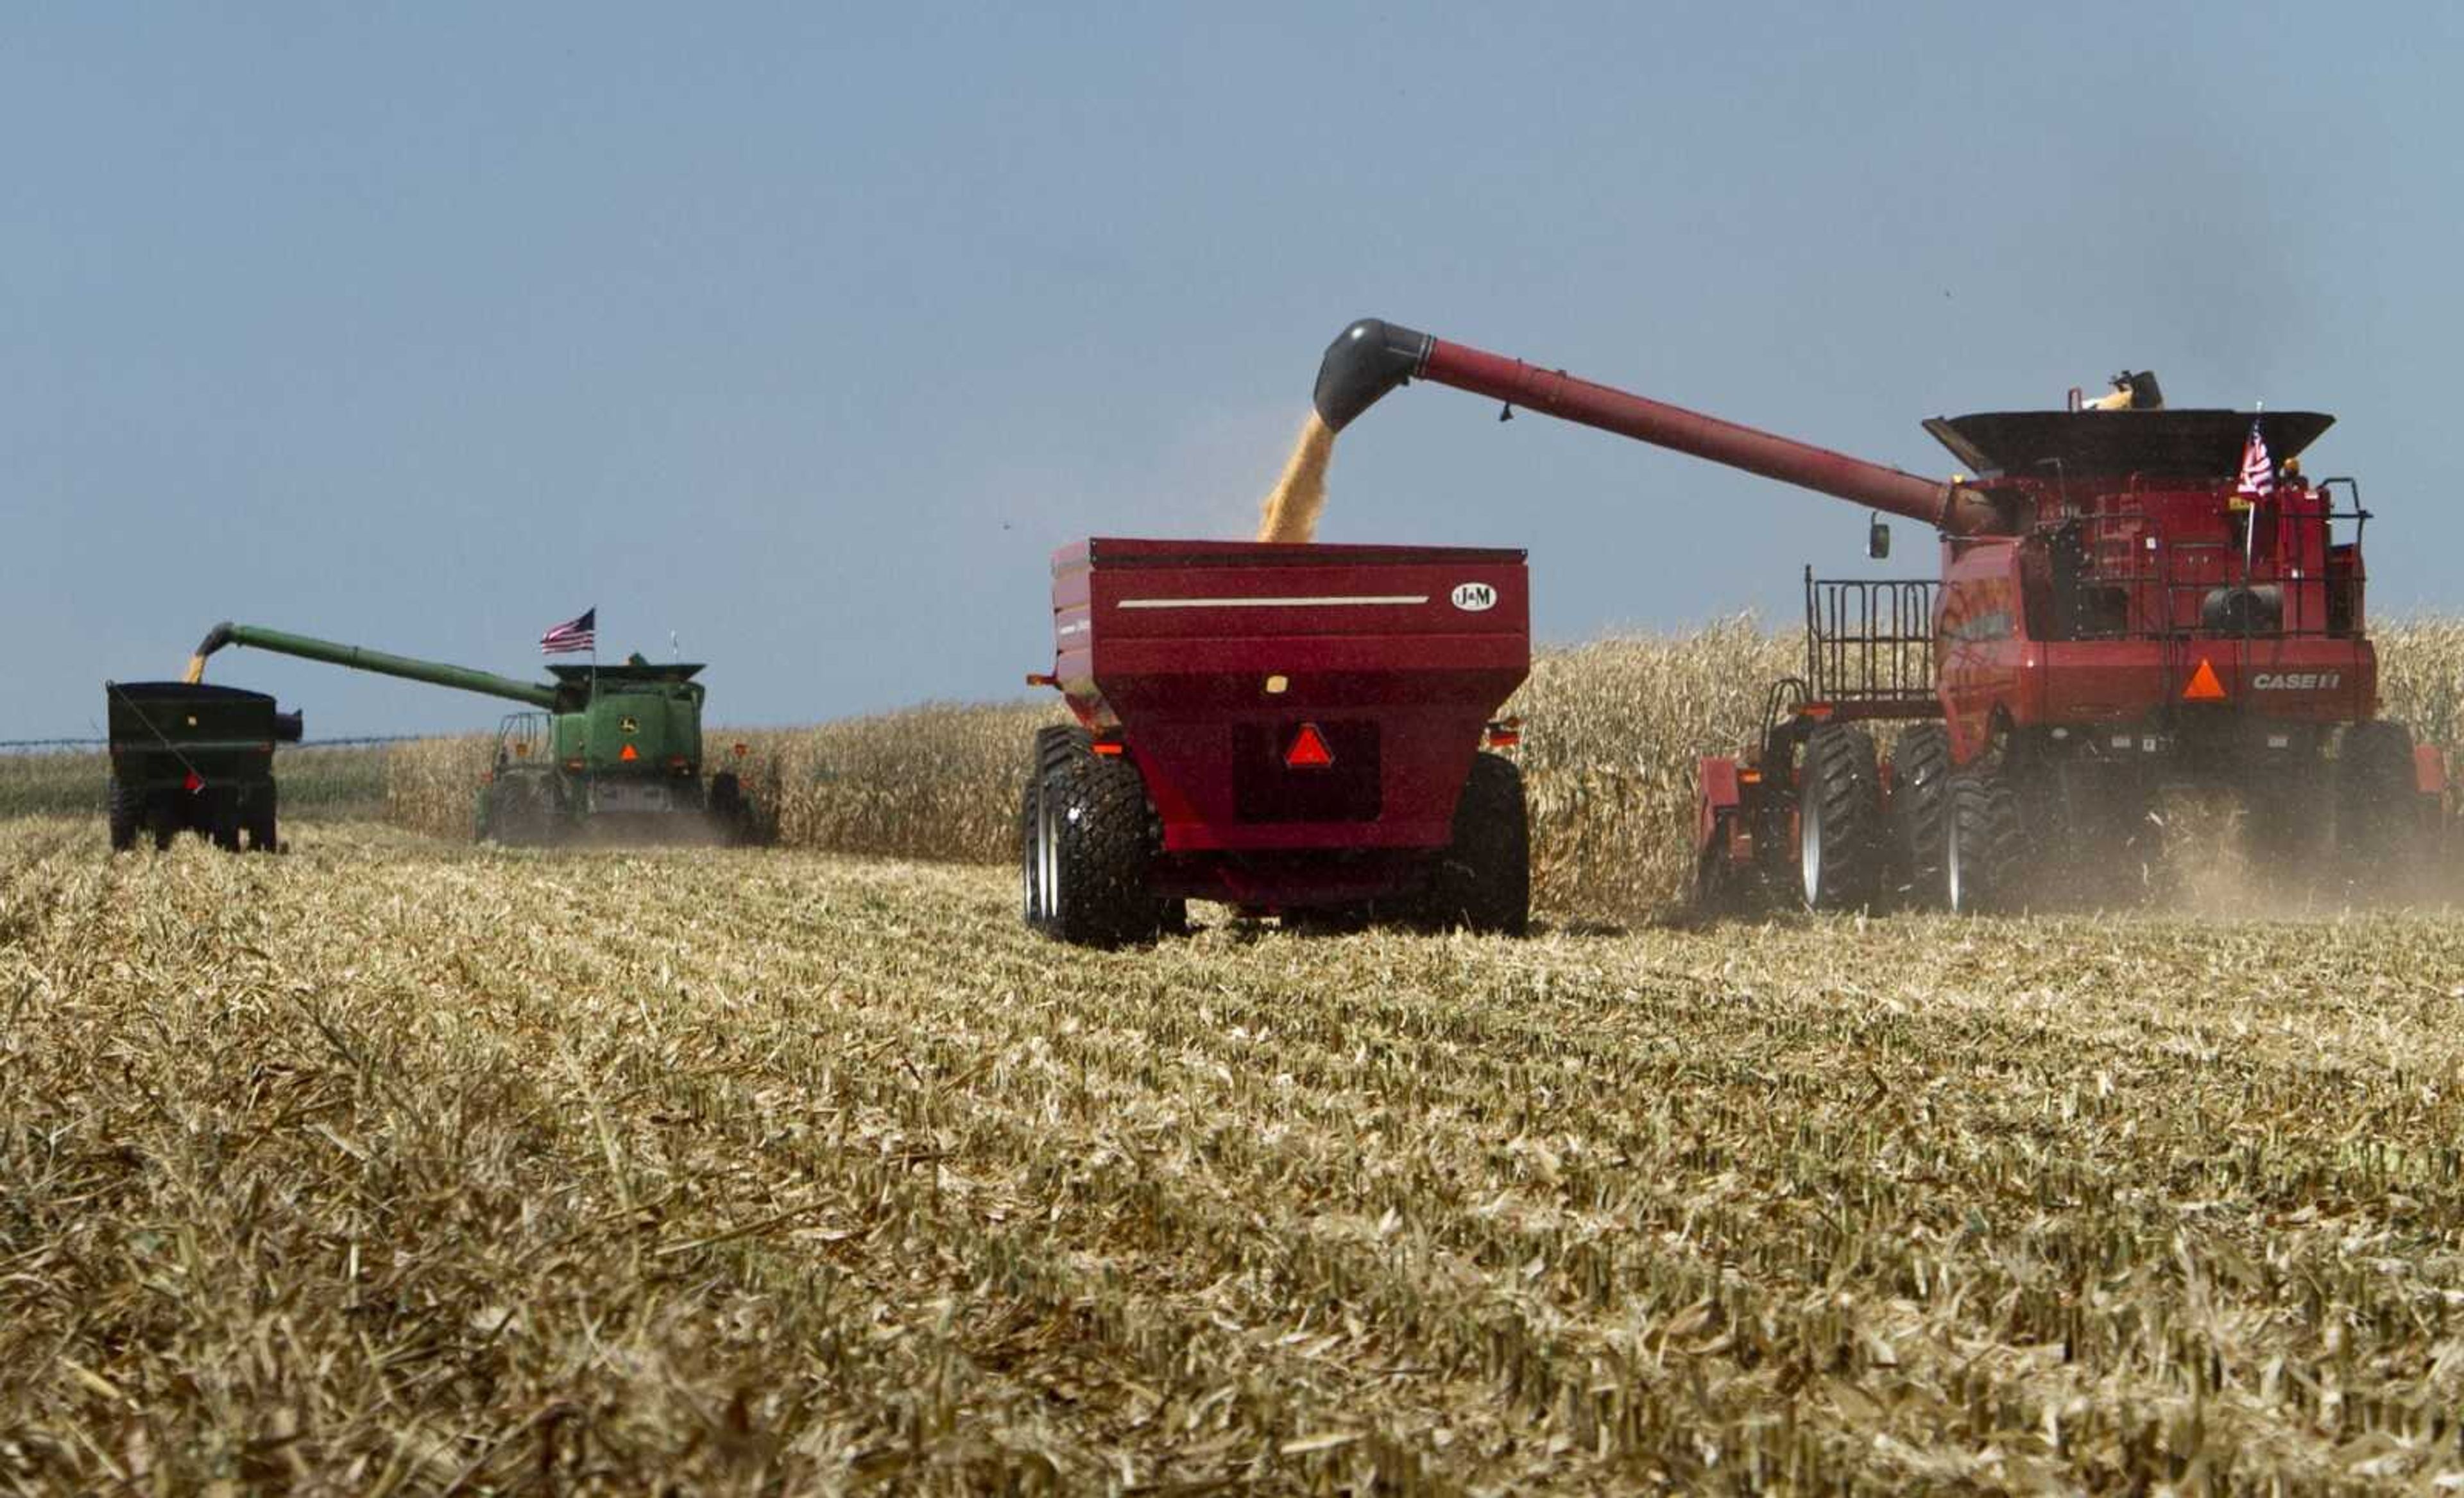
x=2257 y=474
x=573 y=634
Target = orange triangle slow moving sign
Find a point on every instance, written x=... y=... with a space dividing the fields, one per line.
x=1308 y=750
x=627 y=753
x=2204 y=686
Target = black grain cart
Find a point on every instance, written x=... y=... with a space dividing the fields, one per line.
x=194 y=759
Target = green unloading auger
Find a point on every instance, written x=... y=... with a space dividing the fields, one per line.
x=359 y=658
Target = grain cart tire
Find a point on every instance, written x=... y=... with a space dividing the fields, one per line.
x=1921 y=809
x=1842 y=848
x=1983 y=850
x=1055 y=746
x=1030 y=867
x=1483 y=881
x=169 y=814
x=261 y=819
x=1099 y=835
x=223 y=813
x=124 y=811
x=2378 y=829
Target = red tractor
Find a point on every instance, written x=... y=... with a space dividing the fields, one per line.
x=2131 y=598
x=1299 y=731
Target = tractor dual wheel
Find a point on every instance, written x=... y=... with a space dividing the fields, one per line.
x=1843 y=850
x=1921 y=809
x=1085 y=872
x=1983 y=850
x=1483 y=881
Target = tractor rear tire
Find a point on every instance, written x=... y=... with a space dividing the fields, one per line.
x=1983 y=849
x=1842 y=851
x=1098 y=838
x=1483 y=881
x=124 y=812
x=1921 y=807
x=2378 y=827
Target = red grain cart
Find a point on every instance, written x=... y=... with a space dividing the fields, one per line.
x=1297 y=730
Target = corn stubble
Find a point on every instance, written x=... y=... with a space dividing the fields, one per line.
x=403 y=1166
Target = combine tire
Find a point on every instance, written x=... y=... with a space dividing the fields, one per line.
x=729 y=813
x=1483 y=881
x=125 y=811
x=1096 y=837
x=1982 y=848
x=2378 y=828
x=1841 y=850
x=1921 y=809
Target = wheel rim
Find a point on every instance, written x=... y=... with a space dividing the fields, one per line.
x=1808 y=851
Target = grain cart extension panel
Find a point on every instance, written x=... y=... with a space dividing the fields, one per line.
x=1205 y=659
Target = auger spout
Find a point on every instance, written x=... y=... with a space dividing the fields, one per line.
x=1372 y=357
x=539 y=694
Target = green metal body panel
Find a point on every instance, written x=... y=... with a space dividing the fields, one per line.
x=161 y=732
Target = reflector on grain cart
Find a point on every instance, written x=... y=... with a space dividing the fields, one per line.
x=1287 y=728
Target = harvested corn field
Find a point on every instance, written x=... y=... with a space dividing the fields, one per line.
x=399 y=1165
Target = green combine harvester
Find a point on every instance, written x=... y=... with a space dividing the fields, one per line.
x=606 y=748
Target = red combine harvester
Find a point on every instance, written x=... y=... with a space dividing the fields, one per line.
x=2122 y=608
x=1296 y=730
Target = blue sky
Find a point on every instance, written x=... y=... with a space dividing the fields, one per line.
x=806 y=333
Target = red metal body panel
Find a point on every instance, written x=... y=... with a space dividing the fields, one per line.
x=1180 y=647
x=1996 y=670
x=1717 y=797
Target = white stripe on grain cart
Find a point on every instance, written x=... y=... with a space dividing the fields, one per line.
x=1357 y=601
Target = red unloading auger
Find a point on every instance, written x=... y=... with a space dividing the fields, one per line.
x=1372 y=357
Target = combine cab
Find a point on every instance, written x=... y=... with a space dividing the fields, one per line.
x=1297 y=730
x=193 y=758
